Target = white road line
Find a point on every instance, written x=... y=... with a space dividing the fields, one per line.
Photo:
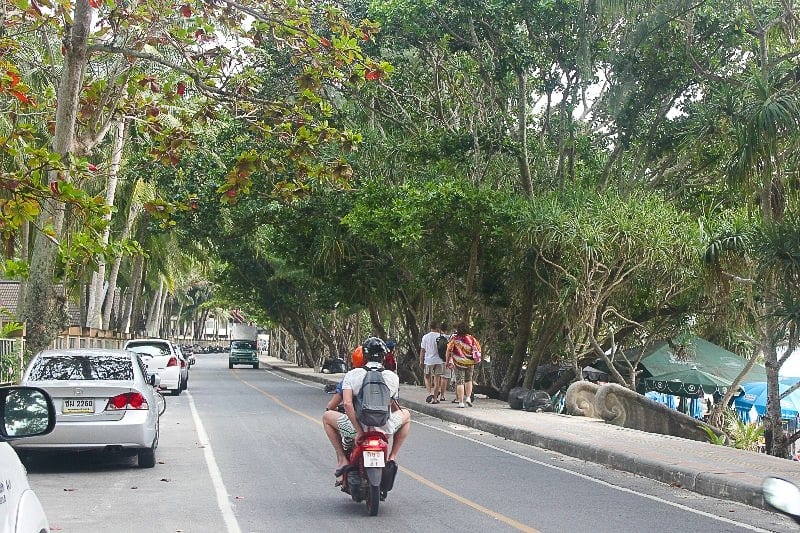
x=595 y=480
x=223 y=498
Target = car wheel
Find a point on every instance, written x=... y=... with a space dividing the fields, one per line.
x=185 y=384
x=230 y=365
x=147 y=457
x=255 y=365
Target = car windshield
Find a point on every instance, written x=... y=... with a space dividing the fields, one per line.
x=82 y=367
x=154 y=350
x=243 y=345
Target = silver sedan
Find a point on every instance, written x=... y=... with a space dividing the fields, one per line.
x=104 y=400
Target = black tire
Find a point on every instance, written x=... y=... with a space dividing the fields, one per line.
x=178 y=391
x=147 y=457
x=255 y=366
x=373 y=499
x=230 y=365
x=185 y=384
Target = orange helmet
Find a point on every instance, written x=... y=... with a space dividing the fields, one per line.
x=357 y=357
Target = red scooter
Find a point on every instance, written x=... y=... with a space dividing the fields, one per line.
x=369 y=477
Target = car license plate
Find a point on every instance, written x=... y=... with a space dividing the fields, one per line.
x=78 y=405
x=373 y=459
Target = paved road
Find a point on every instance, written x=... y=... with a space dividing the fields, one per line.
x=244 y=451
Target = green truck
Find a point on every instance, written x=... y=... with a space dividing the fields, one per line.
x=244 y=346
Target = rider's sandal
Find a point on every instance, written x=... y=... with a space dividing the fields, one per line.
x=341 y=470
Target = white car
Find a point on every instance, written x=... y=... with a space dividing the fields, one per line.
x=160 y=358
x=104 y=400
x=28 y=412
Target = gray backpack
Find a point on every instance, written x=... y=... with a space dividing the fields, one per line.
x=372 y=403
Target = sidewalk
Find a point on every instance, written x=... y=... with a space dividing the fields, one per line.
x=717 y=471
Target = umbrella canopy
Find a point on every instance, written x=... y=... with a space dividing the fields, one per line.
x=687 y=382
x=661 y=363
x=755 y=395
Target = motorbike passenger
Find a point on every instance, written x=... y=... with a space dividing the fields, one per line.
x=346 y=425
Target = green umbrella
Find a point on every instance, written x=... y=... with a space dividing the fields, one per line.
x=689 y=381
x=660 y=361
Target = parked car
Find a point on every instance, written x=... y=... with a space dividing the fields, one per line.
x=27 y=412
x=104 y=400
x=186 y=362
x=161 y=358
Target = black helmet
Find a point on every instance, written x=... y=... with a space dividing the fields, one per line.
x=374 y=349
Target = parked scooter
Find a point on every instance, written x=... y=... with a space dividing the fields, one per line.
x=369 y=477
x=782 y=495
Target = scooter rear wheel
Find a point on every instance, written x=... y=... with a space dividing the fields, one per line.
x=373 y=499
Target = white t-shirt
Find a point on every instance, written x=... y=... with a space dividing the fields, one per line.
x=428 y=343
x=354 y=378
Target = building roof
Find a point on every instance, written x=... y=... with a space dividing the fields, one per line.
x=9 y=301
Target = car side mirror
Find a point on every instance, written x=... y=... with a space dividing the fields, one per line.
x=783 y=495
x=27 y=412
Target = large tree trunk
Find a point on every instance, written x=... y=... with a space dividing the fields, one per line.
x=521 y=337
x=133 y=212
x=131 y=306
x=522 y=124
x=152 y=325
x=41 y=309
x=774 y=435
x=94 y=318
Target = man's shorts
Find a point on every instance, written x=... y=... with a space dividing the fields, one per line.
x=435 y=370
x=463 y=374
x=346 y=429
x=447 y=373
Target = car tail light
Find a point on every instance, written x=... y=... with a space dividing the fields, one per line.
x=173 y=361
x=128 y=400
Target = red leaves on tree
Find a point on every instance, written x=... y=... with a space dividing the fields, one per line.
x=372 y=75
x=95 y=3
x=22 y=97
x=92 y=167
x=54 y=188
x=186 y=11
x=181 y=89
x=325 y=42
x=14 y=77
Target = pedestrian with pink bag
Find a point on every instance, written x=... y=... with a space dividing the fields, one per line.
x=463 y=353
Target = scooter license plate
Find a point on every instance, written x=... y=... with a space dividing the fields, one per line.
x=373 y=459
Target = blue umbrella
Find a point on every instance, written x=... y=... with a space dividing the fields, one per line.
x=755 y=395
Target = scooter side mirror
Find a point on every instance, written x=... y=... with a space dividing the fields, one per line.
x=783 y=495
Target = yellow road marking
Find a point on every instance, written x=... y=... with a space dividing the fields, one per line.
x=438 y=488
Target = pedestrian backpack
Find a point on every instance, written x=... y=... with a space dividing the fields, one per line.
x=372 y=403
x=441 y=346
